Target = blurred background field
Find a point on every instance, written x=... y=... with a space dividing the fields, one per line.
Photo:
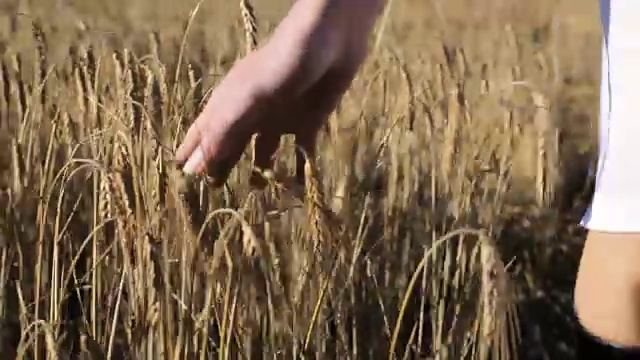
x=439 y=219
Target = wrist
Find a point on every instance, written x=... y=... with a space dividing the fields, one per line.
x=308 y=41
x=362 y=19
x=318 y=35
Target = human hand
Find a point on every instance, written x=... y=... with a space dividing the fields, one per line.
x=258 y=97
x=290 y=86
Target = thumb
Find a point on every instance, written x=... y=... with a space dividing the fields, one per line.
x=211 y=136
x=190 y=142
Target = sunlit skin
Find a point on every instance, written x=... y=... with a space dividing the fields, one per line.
x=293 y=83
x=607 y=292
x=288 y=86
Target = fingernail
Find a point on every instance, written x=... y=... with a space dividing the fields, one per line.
x=194 y=161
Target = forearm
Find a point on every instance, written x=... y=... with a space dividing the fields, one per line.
x=319 y=34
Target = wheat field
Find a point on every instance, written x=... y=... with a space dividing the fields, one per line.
x=439 y=220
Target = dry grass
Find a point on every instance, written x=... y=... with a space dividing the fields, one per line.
x=438 y=221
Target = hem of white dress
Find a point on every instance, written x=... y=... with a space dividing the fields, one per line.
x=620 y=216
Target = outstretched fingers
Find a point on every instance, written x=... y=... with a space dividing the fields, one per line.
x=209 y=147
x=217 y=137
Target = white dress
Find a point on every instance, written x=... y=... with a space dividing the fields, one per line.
x=616 y=202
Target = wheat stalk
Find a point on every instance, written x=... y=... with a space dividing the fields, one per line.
x=124 y=257
x=250 y=24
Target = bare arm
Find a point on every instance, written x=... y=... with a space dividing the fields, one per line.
x=317 y=35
